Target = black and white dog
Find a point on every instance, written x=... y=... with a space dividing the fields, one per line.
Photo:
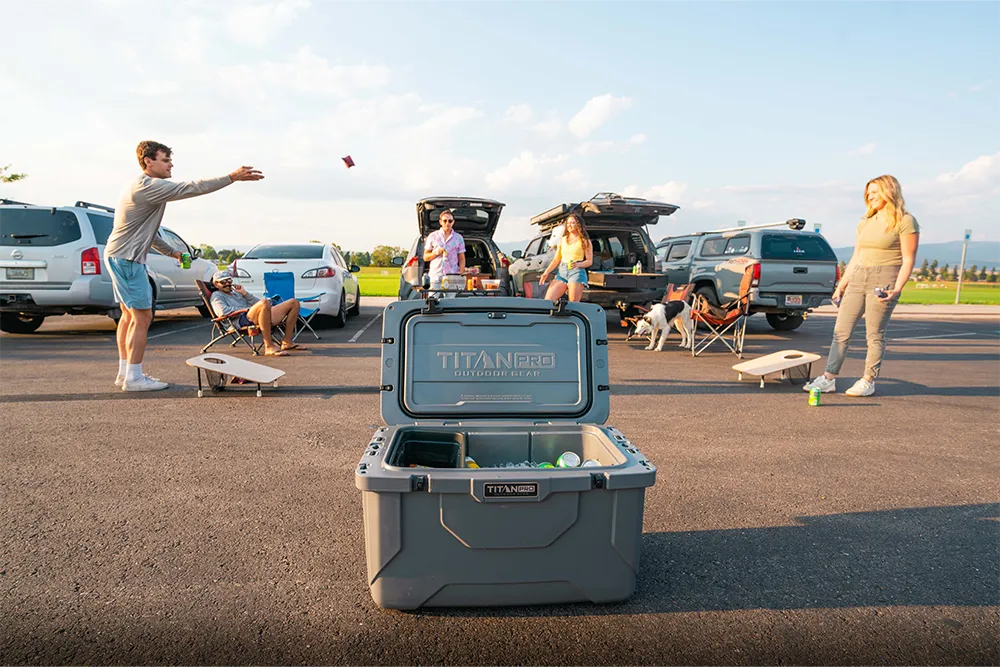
x=660 y=317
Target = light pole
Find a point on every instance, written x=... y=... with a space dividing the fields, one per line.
x=961 y=266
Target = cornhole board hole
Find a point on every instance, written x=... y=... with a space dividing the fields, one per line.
x=219 y=368
x=792 y=364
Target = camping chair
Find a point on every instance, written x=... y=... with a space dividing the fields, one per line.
x=721 y=320
x=681 y=293
x=227 y=326
x=280 y=286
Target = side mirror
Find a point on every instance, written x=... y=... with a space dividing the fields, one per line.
x=796 y=224
x=196 y=253
x=355 y=268
x=517 y=254
x=398 y=261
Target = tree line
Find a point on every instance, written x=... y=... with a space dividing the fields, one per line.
x=931 y=270
x=381 y=256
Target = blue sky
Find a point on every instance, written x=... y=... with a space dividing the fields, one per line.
x=737 y=110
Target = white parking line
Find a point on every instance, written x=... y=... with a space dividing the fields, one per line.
x=954 y=335
x=356 y=336
x=167 y=333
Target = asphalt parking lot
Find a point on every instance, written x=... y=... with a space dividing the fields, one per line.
x=163 y=528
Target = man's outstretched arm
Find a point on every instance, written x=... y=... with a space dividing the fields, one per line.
x=162 y=190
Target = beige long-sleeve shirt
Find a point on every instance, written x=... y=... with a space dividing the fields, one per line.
x=140 y=212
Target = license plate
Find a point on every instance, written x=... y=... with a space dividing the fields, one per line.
x=20 y=274
x=793 y=299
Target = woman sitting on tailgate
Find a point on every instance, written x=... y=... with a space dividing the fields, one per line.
x=574 y=254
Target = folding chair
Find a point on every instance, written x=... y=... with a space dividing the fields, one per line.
x=721 y=320
x=280 y=286
x=227 y=326
x=673 y=293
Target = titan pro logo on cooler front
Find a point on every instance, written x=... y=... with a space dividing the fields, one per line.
x=518 y=490
x=497 y=364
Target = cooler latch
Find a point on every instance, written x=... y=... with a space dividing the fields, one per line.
x=418 y=483
x=596 y=480
x=559 y=308
x=385 y=387
x=432 y=307
x=388 y=341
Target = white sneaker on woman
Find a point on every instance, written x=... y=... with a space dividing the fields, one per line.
x=144 y=383
x=823 y=383
x=861 y=388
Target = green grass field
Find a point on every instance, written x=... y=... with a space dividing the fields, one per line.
x=972 y=293
x=376 y=281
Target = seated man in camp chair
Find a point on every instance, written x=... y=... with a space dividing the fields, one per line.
x=229 y=298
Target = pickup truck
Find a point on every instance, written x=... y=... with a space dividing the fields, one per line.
x=795 y=271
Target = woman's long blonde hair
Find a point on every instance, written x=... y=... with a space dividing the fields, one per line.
x=892 y=191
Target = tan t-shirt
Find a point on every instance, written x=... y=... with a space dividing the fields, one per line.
x=878 y=245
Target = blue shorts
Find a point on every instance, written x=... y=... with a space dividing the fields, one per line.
x=571 y=276
x=130 y=283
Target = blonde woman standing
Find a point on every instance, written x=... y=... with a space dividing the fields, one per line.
x=883 y=259
x=574 y=254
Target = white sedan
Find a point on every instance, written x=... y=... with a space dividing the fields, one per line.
x=317 y=268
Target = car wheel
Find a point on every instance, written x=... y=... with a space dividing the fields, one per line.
x=19 y=323
x=340 y=319
x=115 y=314
x=708 y=292
x=356 y=308
x=780 y=322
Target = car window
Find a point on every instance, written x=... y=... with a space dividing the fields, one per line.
x=338 y=259
x=662 y=252
x=174 y=240
x=102 y=225
x=714 y=247
x=532 y=248
x=615 y=246
x=309 y=251
x=795 y=246
x=679 y=251
x=38 y=227
x=738 y=245
x=544 y=246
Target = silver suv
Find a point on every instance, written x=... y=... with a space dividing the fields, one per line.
x=794 y=271
x=51 y=263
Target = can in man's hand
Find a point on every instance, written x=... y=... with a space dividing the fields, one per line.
x=185 y=260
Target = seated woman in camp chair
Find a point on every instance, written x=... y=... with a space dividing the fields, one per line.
x=229 y=298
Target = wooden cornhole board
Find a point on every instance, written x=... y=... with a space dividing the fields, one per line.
x=790 y=363
x=220 y=367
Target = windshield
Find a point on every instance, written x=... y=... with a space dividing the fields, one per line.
x=796 y=247
x=38 y=227
x=285 y=252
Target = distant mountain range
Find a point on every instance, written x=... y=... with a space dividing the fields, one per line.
x=980 y=253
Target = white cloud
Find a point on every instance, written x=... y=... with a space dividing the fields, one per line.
x=867 y=149
x=670 y=192
x=978 y=87
x=594 y=147
x=596 y=112
x=637 y=139
x=573 y=178
x=549 y=128
x=519 y=113
x=982 y=169
x=702 y=204
x=520 y=168
x=257 y=24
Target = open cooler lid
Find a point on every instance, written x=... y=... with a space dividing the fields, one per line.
x=486 y=358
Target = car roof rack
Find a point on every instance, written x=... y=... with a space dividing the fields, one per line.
x=87 y=204
x=795 y=224
x=11 y=201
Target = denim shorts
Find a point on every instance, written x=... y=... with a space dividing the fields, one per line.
x=130 y=283
x=571 y=276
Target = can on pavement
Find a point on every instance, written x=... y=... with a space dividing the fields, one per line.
x=814 y=395
x=185 y=260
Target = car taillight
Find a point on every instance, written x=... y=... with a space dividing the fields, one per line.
x=322 y=272
x=755 y=281
x=836 y=278
x=90 y=262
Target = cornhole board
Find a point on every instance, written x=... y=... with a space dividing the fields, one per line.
x=220 y=367
x=790 y=363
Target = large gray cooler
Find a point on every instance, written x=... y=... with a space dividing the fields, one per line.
x=503 y=381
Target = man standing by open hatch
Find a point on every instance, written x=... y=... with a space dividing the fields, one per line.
x=137 y=219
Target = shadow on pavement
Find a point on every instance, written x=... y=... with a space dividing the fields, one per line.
x=927 y=556
x=179 y=391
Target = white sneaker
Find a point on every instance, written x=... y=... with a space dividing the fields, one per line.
x=144 y=383
x=823 y=383
x=120 y=379
x=861 y=388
